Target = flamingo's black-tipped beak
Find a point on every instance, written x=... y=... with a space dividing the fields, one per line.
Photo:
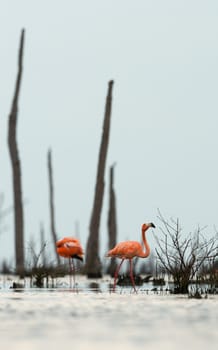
x=79 y=257
x=152 y=225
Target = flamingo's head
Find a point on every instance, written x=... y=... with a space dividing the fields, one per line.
x=78 y=256
x=146 y=226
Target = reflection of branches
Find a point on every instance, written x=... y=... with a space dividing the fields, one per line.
x=183 y=257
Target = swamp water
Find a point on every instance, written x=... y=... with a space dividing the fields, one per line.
x=94 y=318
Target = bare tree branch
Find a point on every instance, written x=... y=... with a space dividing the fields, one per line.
x=182 y=257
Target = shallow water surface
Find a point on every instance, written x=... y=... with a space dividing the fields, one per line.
x=84 y=319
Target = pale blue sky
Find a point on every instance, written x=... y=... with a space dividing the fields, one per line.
x=163 y=57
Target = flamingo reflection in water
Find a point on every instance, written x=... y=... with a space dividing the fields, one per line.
x=70 y=247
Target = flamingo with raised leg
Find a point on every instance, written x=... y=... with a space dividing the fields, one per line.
x=129 y=250
x=70 y=247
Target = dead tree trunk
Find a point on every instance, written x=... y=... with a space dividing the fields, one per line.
x=16 y=167
x=51 y=201
x=93 y=264
x=112 y=222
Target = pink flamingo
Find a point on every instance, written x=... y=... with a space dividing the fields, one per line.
x=70 y=247
x=129 y=250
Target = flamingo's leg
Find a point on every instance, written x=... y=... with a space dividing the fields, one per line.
x=70 y=271
x=74 y=271
x=116 y=274
x=131 y=275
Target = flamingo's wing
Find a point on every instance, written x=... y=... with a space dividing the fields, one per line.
x=125 y=250
x=65 y=240
x=74 y=247
x=71 y=244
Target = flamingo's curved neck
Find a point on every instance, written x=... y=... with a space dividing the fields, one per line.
x=147 y=248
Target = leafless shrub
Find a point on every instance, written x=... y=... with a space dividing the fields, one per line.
x=183 y=256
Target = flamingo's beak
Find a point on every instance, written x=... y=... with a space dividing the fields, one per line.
x=79 y=257
x=152 y=225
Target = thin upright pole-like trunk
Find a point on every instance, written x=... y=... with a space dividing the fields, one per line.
x=16 y=167
x=51 y=201
x=93 y=264
x=43 y=244
x=112 y=222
